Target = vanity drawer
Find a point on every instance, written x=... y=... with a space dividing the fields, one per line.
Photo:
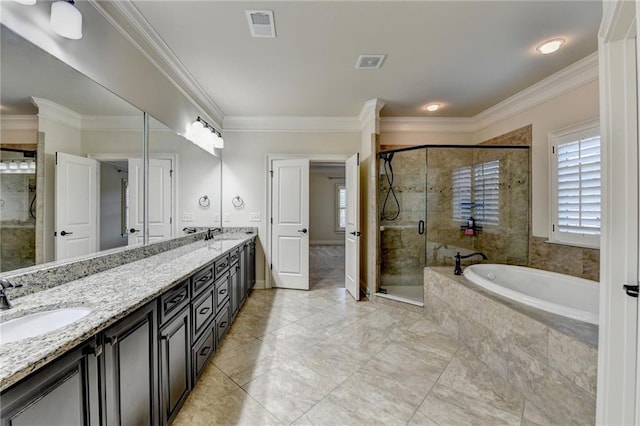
x=234 y=255
x=202 y=312
x=173 y=301
x=222 y=291
x=223 y=321
x=222 y=265
x=201 y=280
x=203 y=350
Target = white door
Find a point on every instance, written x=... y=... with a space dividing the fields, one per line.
x=159 y=200
x=290 y=229
x=618 y=396
x=76 y=206
x=352 y=230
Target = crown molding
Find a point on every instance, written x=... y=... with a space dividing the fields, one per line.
x=180 y=77
x=19 y=122
x=370 y=115
x=570 y=78
x=291 y=124
x=54 y=112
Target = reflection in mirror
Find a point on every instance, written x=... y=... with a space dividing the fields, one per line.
x=195 y=176
x=75 y=203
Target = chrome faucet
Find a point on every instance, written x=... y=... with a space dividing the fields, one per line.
x=5 y=303
x=458 y=268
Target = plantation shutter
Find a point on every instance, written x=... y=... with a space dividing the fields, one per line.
x=577 y=188
x=462 y=193
x=486 y=192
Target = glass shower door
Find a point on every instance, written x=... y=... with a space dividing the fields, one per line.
x=402 y=207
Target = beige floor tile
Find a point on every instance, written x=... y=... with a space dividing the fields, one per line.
x=236 y=408
x=292 y=337
x=289 y=390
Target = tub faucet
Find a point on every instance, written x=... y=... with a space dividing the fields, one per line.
x=458 y=268
x=5 y=303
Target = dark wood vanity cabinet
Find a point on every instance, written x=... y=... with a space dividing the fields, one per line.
x=140 y=370
x=175 y=363
x=64 y=393
x=131 y=369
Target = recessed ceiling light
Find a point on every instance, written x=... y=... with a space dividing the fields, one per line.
x=550 y=46
x=432 y=107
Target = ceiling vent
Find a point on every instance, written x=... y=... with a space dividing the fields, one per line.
x=370 y=62
x=261 y=23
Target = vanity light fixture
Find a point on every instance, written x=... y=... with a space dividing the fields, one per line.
x=66 y=19
x=550 y=46
x=205 y=136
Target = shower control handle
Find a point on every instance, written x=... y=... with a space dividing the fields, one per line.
x=421 y=227
x=63 y=233
x=303 y=230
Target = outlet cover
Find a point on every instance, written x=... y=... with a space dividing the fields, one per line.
x=188 y=217
x=216 y=218
x=227 y=217
x=254 y=217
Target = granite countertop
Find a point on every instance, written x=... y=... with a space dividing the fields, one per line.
x=112 y=294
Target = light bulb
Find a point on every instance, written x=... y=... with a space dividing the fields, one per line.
x=66 y=20
x=24 y=165
x=13 y=165
x=32 y=165
x=3 y=165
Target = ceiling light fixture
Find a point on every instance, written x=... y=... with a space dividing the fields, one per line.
x=550 y=46
x=204 y=135
x=66 y=19
x=432 y=107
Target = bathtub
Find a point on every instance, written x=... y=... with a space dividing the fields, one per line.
x=560 y=294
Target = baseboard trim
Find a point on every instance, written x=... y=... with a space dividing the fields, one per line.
x=325 y=243
x=260 y=285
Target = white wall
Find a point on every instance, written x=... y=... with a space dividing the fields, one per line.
x=244 y=171
x=323 y=205
x=576 y=106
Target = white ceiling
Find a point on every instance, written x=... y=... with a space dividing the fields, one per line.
x=467 y=55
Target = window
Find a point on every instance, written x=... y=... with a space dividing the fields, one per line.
x=341 y=207
x=476 y=192
x=576 y=187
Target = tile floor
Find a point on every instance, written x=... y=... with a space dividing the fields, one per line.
x=319 y=358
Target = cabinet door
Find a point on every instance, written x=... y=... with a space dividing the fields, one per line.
x=251 y=265
x=175 y=365
x=64 y=393
x=242 y=273
x=131 y=370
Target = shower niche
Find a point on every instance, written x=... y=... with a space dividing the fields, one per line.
x=435 y=201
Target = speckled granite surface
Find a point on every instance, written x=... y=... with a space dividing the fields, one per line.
x=112 y=295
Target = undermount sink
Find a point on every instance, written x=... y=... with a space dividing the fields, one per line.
x=39 y=323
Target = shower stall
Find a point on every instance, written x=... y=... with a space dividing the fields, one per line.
x=438 y=200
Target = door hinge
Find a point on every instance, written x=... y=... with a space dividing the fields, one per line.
x=271 y=172
x=170 y=220
x=553 y=228
x=271 y=266
x=55 y=234
x=271 y=221
x=553 y=149
x=358 y=159
x=170 y=173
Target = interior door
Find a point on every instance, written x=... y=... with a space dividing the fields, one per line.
x=160 y=176
x=76 y=206
x=290 y=228
x=352 y=230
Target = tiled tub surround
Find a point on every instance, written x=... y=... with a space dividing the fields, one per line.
x=552 y=360
x=112 y=295
x=53 y=274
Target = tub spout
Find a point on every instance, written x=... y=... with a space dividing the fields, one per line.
x=458 y=268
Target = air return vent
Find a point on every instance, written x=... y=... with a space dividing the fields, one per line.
x=261 y=23
x=370 y=62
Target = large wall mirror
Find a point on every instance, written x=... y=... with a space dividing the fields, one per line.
x=71 y=166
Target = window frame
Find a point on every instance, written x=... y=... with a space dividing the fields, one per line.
x=561 y=137
x=337 y=188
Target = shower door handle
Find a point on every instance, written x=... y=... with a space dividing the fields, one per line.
x=421 y=227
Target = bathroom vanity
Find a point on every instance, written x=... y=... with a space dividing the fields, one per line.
x=153 y=326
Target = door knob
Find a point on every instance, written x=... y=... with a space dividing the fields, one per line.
x=356 y=233
x=303 y=230
x=133 y=230
x=63 y=233
x=631 y=290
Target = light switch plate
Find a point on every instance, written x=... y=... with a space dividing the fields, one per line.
x=254 y=217
x=188 y=217
x=216 y=218
x=227 y=217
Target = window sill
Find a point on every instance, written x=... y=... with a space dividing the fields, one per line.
x=573 y=244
